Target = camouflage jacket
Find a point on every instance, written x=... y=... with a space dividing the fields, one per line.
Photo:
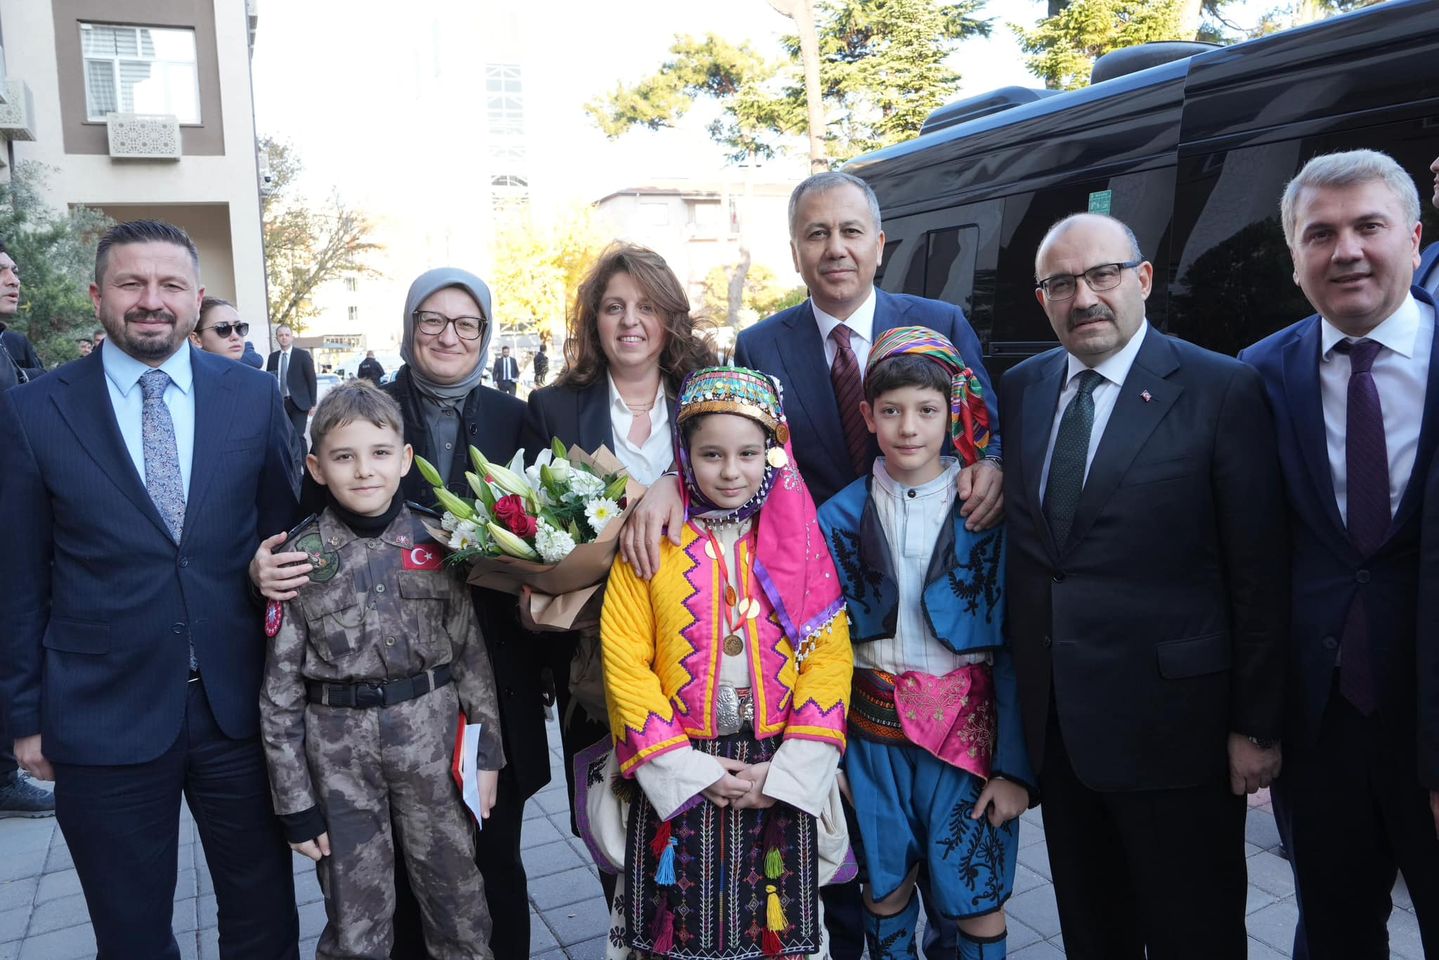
x=375 y=609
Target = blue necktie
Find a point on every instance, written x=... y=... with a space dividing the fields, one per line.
x=162 y=460
x=1071 y=454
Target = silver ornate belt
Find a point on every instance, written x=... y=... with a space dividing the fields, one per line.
x=734 y=709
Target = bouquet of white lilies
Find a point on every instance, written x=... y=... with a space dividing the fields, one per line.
x=552 y=526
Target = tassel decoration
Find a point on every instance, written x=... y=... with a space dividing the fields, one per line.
x=662 y=838
x=772 y=841
x=773 y=865
x=663 y=932
x=774 y=911
x=769 y=943
x=665 y=873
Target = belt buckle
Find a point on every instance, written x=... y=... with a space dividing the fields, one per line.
x=369 y=694
x=728 y=717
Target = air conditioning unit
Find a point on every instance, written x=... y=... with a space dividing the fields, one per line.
x=144 y=136
x=17 y=114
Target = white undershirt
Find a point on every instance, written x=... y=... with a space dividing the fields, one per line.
x=646 y=461
x=1401 y=374
x=861 y=322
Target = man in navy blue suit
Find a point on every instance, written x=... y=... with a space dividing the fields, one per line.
x=1427 y=276
x=137 y=482
x=818 y=351
x=1355 y=393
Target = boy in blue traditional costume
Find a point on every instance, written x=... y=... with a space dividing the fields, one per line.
x=936 y=764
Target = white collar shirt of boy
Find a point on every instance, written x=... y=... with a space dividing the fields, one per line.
x=912 y=518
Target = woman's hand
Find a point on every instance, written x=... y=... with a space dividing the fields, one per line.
x=981 y=490
x=754 y=799
x=1004 y=799
x=728 y=787
x=314 y=849
x=279 y=576
x=489 y=782
x=661 y=509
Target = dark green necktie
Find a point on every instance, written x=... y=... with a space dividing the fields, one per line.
x=1071 y=451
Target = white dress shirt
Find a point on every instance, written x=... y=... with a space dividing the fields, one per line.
x=861 y=322
x=648 y=460
x=801 y=771
x=1114 y=371
x=1401 y=374
x=912 y=518
x=122 y=378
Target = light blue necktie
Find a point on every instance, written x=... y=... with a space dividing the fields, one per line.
x=162 y=459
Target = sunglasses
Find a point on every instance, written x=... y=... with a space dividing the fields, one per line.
x=225 y=329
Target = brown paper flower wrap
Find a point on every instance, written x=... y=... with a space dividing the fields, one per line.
x=564 y=593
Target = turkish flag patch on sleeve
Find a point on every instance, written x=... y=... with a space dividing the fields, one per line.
x=422 y=558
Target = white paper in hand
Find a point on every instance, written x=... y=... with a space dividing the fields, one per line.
x=466 y=767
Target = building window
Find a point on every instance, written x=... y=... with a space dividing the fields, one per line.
x=351 y=285
x=510 y=181
x=140 y=70
x=354 y=313
x=504 y=99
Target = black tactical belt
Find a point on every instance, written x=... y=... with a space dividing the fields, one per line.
x=372 y=693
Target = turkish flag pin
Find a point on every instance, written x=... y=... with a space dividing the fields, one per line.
x=421 y=558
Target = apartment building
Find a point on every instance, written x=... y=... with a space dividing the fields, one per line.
x=142 y=108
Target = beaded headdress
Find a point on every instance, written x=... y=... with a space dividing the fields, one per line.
x=969 y=417
x=741 y=392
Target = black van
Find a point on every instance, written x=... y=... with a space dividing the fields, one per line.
x=1193 y=154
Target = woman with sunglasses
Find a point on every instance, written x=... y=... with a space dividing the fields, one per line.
x=220 y=329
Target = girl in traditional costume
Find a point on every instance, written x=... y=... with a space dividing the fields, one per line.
x=727 y=676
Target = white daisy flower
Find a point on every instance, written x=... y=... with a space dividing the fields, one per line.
x=466 y=535
x=600 y=512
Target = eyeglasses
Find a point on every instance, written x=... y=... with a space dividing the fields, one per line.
x=223 y=330
x=433 y=324
x=1106 y=276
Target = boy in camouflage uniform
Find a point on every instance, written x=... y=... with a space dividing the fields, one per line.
x=371 y=664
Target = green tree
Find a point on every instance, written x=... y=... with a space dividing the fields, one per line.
x=539 y=266
x=306 y=244
x=762 y=294
x=55 y=251
x=881 y=70
x=1062 y=49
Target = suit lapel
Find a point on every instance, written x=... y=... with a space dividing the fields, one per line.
x=214 y=412
x=1428 y=430
x=1306 y=412
x=592 y=416
x=1144 y=399
x=88 y=411
x=1041 y=398
x=801 y=354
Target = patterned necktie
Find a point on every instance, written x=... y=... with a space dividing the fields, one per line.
x=1071 y=454
x=162 y=459
x=848 y=392
x=284 y=373
x=1367 y=513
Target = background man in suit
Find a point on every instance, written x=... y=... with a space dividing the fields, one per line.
x=1355 y=390
x=371 y=369
x=542 y=365
x=137 y=482
x=1147 y=606
x=296 y=370
x=19 y=797
x=18 y=360
x=507 y=372
x=1427 y=276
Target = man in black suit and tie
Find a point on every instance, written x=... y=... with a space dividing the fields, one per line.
x=1427 y=276
x=1148 y=603
x=137 y=482
x=1355 y=393
x=295 y=369
x=506 y=372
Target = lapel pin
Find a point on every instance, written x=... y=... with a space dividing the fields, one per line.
x=1146 y=396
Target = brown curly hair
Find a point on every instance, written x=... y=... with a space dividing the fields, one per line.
x=687 y=343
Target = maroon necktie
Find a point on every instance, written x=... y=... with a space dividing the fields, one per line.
x=1366 y=472
x=848 y=392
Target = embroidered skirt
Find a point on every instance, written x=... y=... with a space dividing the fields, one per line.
x=714 y=899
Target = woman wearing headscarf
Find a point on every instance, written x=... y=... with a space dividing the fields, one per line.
x=631 y=343
x=448 y=325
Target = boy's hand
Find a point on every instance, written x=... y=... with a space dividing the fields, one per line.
x=314 y=849
x=660 y=510
x=279 y=576
x=754 y=799
x=489 y=782
x=981 y=490
x=1004 y=799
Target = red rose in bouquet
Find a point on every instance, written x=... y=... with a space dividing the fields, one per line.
x=510 y=510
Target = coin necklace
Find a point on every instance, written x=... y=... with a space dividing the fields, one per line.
x=748 y=607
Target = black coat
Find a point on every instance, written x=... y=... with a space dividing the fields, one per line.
x=371 y=370
x=27 y=365
x=303 y=389
x=1163 y=623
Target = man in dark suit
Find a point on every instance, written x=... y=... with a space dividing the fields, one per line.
x=18 y=361
x=1427 y=276
x=818 y=351
x=371 y=369
x=1147 y=606
x=506 y=372
x=1355 y=391
x=137 y=482
x=295 y=369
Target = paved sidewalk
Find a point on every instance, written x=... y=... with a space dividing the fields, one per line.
x=43 y=916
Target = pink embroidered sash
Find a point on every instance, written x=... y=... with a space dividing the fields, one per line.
x=952 y=717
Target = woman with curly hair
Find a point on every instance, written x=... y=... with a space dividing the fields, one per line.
x=632 y=341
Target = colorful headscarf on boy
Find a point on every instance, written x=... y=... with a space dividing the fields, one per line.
x=791 y=558
x=968 y=416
